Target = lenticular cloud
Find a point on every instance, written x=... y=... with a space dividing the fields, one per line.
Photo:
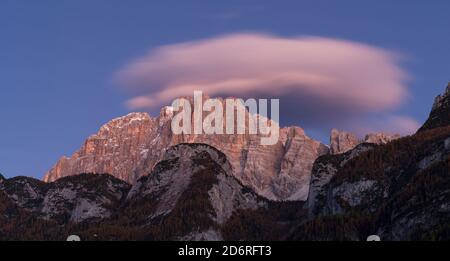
x=342 y=77
x=241 y=64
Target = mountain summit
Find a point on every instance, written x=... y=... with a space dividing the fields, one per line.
x=440 y=113
x=129 y=147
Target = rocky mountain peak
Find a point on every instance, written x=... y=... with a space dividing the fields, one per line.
x=116 y=148
x=438 y=101
x=380 y=138
x=341 y=141
x=440 y=112
x=295 y=131
x=129 y=147
x=121 y=122
x=124 y=122
x=166 y=113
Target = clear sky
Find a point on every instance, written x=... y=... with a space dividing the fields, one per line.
x=58 y=58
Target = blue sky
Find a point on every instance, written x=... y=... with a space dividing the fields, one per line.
x=58 y=58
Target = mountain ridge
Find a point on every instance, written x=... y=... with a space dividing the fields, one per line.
x=190 y=195
x=440 y=112
x=398 y=189
x=129 y=147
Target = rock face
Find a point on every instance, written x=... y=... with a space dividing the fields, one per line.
x=325 y=168
x=440 y=113
x=118 y=148
x=129 y=147
x=197 y=178
x=341 y=142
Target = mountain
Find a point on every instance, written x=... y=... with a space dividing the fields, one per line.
x=70 y=199
x=399 y=190
x=180 y=188
x=34 y=210
x=342 y=141
x=440 y=113
x=190 y=195
x=324 y=170
x=129 y=147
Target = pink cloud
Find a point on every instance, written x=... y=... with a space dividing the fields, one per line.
x=391 y=124
x=401 y=124
x=321 y=82
x=241 y=64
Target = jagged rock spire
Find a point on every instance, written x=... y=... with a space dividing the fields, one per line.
x=440 y=113
x=342 y=141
